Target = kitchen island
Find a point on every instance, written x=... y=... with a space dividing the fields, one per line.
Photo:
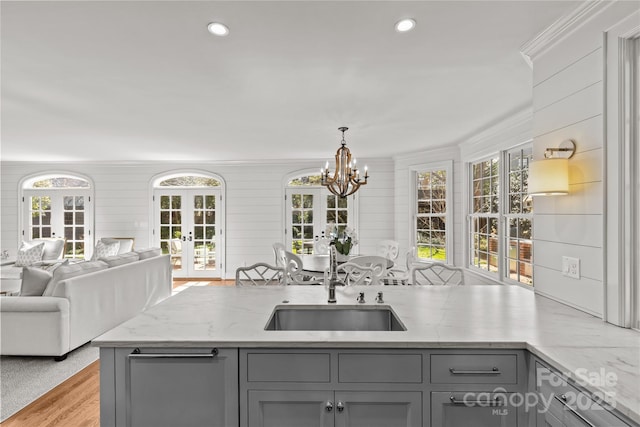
x=538 y=340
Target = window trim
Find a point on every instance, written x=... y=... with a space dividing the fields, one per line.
x=500 y=276
x=414 y=170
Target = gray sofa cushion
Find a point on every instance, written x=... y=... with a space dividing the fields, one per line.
x=34 y=281
x=72 y=270
x=149 y=252
x=115 y=260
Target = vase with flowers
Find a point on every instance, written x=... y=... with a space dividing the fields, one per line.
x=344 y=239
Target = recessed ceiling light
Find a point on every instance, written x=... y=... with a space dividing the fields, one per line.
x=218 y=29
x=405 y=25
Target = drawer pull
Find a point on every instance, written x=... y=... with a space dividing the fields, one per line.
x=563 y=400
x=494 y=371
x=137 y=355
x=494 y=402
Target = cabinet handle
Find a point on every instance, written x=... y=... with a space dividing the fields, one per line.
x=494 y=371
x=137 y=355
x=340 y=406
x=329 y=406
x=563 y=400
x=495 y=402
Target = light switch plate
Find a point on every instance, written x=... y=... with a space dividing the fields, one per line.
x=571 y=267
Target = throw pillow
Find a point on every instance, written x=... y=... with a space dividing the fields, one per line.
x=34 y=281
x=126 y=245
x=28 y=255
x=105 y=249
x=53 y=247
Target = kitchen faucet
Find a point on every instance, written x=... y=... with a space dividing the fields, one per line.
x=333 y=273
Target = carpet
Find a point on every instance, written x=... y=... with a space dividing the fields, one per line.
x=25 y=379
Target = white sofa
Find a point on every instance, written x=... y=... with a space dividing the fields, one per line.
x=81 y=308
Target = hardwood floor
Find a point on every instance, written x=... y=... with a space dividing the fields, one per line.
x=75 y=402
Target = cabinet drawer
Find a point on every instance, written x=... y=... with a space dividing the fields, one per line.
x=477 y=409
x=569 y=404
x=379 y=368
x=289 y=367
x=474 y=369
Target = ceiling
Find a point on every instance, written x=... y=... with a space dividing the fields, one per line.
x=139 y=81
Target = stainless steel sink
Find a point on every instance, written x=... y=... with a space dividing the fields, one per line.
x=334 y=318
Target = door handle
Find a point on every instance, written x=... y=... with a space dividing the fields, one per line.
x=494 y=371
x=340 y=406
x=329 y=406
x=137 y=355
x=494 y=402
x=563 y=400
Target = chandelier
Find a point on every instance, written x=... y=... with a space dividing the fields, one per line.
x=346 y=178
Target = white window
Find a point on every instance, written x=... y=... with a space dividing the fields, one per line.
x=59 y=206
x=188 y=217
x=432 y=212
x=309 y=208
x=500 y=217
x=518 y=214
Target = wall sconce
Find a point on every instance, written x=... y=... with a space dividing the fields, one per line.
x=550 y=176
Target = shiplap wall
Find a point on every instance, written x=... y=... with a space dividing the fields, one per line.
x=254 y=202
x=568 y=102
x=404 y=198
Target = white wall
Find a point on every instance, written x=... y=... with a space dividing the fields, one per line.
x=568 y=80
x=254 y=202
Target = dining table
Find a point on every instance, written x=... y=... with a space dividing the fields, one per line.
x=320 y=263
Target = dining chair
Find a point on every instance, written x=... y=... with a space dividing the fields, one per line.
x=295 y=274
x=278 y=251
x=175 y=249
x=437 y=273
x=354 y=274
x=376 y=262
x=401 y=276
x=260 y=274
x=388 y=248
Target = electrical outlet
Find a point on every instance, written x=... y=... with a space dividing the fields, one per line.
x=571 y=267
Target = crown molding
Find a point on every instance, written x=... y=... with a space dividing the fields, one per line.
x=513 y=130
x=562 y=28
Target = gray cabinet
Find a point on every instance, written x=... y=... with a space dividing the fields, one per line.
x=303 y=387
x=282 y=408
x=476 y=388
x=378 y=409
x=565 y=405
x=157 y=387
x=478 y=409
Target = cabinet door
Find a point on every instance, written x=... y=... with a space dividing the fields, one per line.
x=378 y=409
x=283 y=408
x=187 y=388
x=460 y=409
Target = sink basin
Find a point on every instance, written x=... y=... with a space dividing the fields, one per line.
x=334 y=318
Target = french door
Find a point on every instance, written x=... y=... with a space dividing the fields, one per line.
x=60 y=213
x=189 y=227
x=309 y=211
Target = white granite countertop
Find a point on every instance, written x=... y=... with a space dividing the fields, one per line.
x=574 y=342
